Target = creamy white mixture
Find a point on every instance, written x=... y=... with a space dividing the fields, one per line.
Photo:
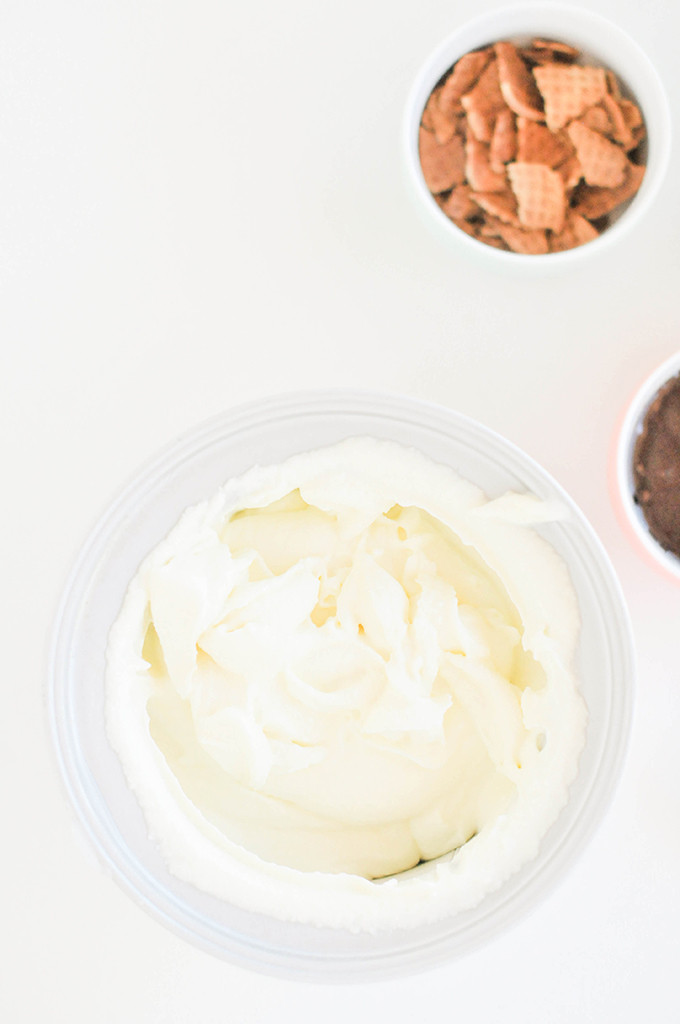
x=339 y=667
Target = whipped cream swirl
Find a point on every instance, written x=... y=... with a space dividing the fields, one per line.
x=348 y=664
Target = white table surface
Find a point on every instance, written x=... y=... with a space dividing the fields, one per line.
x=203 y=203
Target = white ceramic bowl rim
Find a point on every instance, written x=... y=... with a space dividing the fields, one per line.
x=610 y=46
x=91 y=773
x=630 y=430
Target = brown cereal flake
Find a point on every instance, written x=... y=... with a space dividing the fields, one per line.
x=568 y=91
x=443 y=165
x=503 y=141
x=539 y=57
x=603 y=162
x=612 y=84
x=620 y=131
x=481 y=125
x=528 y=241
x=478 y=169
x=631 y=114
x=460 y=204
x=639 y=134
x=533 y=57
x=485 y=97
x=576 y=231
x=496 y=243
x=467 y=226
x=502 y=205
x=555 y=49
x=464 y=74
x=426 y=119
x=593 y=202
x=489 y=228
x=517 y=86
x=444 y=125
x=540 y=195
x=570 y=172
x=597 y=119
x=536 y=144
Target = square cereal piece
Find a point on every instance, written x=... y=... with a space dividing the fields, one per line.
x=568 y=91
x=443 y=166
x=603 y=162
x=541 y=200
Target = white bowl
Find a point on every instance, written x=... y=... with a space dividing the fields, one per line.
x=193 y=468
x=630 y=431
x=601 y=42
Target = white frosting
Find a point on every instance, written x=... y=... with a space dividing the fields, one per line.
x=339 y=667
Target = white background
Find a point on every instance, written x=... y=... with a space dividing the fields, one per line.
x=203 y=203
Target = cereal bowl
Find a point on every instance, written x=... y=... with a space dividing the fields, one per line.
x=601 y=44
x=268 y=432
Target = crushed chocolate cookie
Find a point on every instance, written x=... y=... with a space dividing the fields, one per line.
x=656 y=467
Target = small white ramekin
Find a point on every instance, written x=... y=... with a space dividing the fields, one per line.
x=628 y=435
x=600 y=41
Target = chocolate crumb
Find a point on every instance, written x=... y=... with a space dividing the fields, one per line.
x=656 y=467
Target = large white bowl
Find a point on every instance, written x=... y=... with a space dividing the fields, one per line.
x=193 y=468
x=601 y=42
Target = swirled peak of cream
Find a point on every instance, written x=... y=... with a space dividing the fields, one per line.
x=340 y=667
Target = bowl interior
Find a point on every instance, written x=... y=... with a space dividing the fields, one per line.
x=601 y=42
x=192 y=469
